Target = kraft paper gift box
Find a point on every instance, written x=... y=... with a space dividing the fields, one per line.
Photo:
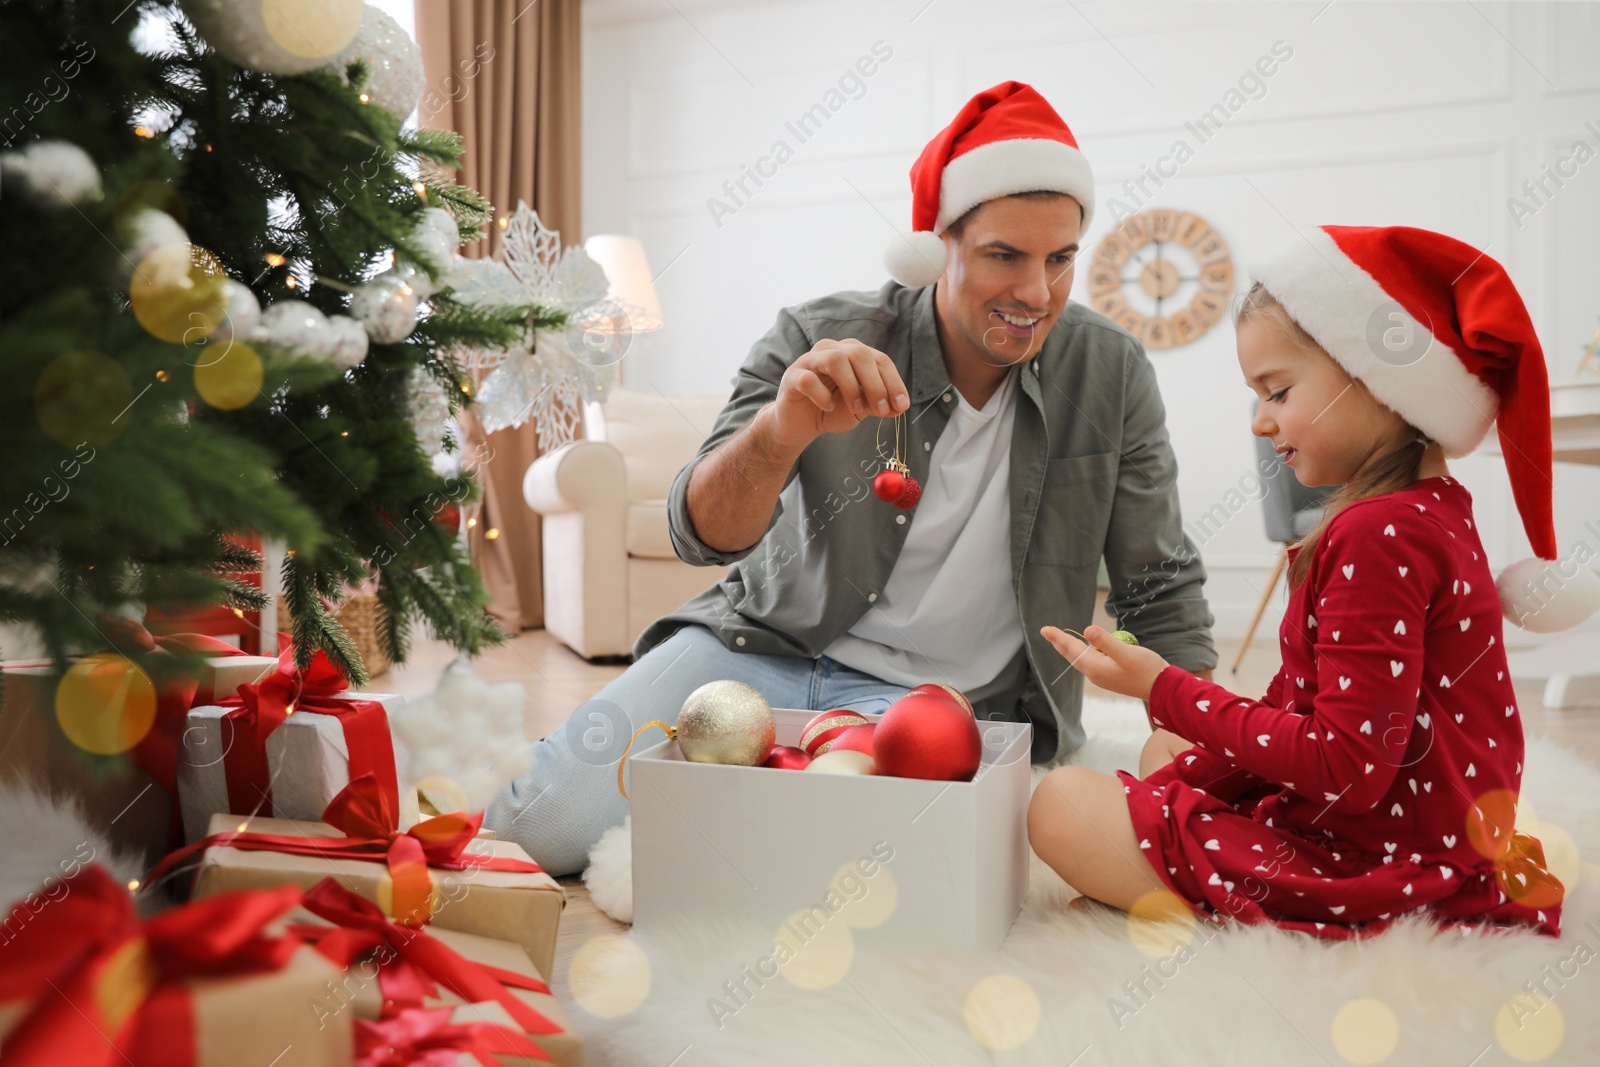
x=358 y=990
x=308 y=756
x=124 y=980
x=524 y=908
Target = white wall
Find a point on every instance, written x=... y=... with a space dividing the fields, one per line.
x=1426 y=114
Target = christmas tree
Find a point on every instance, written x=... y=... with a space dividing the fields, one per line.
x=225 y=297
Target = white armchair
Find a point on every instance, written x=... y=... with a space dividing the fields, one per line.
x=609 y=568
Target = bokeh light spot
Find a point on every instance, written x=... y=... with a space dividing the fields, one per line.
x=1365 y=1031
x=868 y=901
x=814 y=948
x=82 y=397
x=609 y=976
x=105 y=704
x=312 y=28
x=1002 y=1012
x=1160 y=923
x=231 y=378
x=177 y=292
x=1529 y=1028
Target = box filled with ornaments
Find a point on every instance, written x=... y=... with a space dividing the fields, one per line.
x=912 y=823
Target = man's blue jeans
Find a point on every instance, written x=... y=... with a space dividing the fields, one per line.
x=559 y=809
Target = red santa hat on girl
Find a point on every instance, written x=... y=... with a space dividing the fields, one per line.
x=1437 y=333
x=1006 y=140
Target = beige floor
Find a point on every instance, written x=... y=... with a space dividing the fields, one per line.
x=558 y=681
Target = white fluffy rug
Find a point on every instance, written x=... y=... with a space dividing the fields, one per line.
x=1238 y=996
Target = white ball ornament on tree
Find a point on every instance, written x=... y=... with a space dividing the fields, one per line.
x=56 y=173
x=395 y=80
x=414 y=276
x=281 y=37
x=241 y=313
x=142 y=232
x=349 y=347
x=387 y=307
x=296 y=326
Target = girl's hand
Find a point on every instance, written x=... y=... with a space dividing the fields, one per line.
x=1127 y=669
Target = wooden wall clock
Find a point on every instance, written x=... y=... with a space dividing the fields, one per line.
x=1164 y=275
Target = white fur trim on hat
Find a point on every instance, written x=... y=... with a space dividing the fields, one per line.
x=1004 y=168
x=915 y=259
x=1339 y=304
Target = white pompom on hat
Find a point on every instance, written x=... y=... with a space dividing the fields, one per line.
x=1004 y=141
x=1438 y=334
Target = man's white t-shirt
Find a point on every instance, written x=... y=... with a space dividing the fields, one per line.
x=948 y=612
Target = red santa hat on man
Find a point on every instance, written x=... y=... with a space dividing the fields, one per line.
x=1436 y=331
x=1006 y=140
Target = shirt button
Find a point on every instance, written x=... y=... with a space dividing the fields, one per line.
x=872 y=598
x=927 y=446
x=899 y=520
x=948 y=398
x=739 y=641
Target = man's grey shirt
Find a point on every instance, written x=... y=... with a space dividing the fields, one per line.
x=1092 y=473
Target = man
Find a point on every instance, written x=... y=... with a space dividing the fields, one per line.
x=1034 y=427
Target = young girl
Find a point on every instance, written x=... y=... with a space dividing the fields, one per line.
x=1379 y=773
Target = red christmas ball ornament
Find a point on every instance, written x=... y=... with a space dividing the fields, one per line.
x=855 y=739
x=823 y=730
x=909 y=495
x=927 y=736
x=786 y=758
x=889 y=485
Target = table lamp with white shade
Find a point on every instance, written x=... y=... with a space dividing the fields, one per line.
x=631 y=307
x=628 y=271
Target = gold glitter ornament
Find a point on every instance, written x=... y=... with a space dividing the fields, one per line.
x=724 y=722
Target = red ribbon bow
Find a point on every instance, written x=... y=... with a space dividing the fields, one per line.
x=265 y=704
x=104 y=989
x=367 y=816
x=422 y=963
x=425 y=1037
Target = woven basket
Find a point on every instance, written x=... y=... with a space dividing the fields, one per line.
x=362 y=617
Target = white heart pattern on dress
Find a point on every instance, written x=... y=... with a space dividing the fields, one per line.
x=1213 y=845
x=1389 y=529
x=1403 y=571
x=1449 y=840
x=1344 y=683
x=1203 y=705
x=1349 y=569
x=1390 y=846
x=1395 y=667
x=1470 y=772
x=1464 y=624
x=1400 y=626
x=1366 y=727
x=1262 y=739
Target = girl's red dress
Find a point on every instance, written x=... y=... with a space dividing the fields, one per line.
x=1379 y=773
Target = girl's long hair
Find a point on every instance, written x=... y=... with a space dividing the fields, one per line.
x=1387 y=473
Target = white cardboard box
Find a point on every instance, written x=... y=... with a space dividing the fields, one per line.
x=761 y=844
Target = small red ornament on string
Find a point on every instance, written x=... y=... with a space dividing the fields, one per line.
x=894 y=483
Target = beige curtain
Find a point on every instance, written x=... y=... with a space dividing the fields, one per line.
x=505 y=75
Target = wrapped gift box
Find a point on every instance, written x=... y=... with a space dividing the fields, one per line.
x=113 y=968
x=131 y=809
x=764 y=844
x=524 y=908
x=308 y=757
x=222 y=676
x=359 y=992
